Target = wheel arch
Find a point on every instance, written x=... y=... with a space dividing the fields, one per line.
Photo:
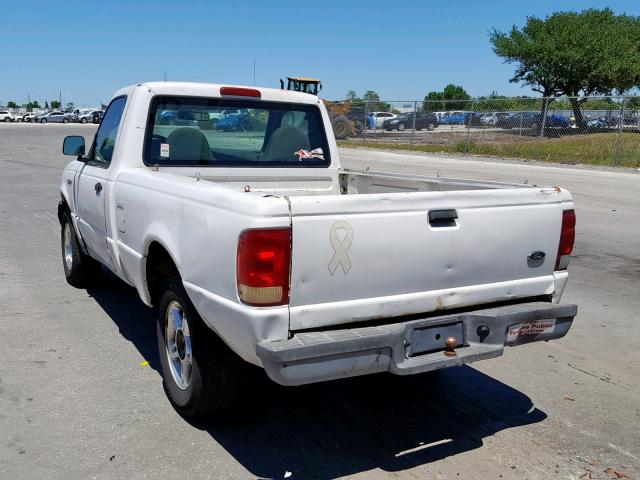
x=63 y=207
x=159 y=265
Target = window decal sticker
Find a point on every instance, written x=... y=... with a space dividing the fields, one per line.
x=315 y=153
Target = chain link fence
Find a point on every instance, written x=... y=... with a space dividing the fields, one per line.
x=593 y=130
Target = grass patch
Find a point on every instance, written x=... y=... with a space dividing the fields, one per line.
x=594 y=149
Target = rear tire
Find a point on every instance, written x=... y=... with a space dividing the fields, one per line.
x=80 y=270
x=431 y=127
x=401 y=127
x=201 y=376
x=83 y=120
x=44 y=120
x=7 y=119
x=65 y=120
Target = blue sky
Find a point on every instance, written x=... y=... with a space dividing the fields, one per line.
x=89 y=49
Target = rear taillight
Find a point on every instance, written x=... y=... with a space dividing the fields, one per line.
x=567 y=238
x=264 y=263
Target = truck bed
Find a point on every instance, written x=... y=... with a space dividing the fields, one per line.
x=346 y=182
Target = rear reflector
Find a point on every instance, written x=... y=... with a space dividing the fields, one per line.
x=240 y=92
x=567 y=239
x=263 y=265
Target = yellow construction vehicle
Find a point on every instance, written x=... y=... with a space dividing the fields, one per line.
x=343 y=126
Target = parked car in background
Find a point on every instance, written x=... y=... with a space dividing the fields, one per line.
x=234 y=122
x=603 y=121
x=85 y=117
x=422 y=120
x=6 y=116
x=558 y=121
x=29 y=116
x=472 y=119
x=492 y=117
x=533 y=120
x=55 y=117
x=453 y=118
x=443 y=118
x=18 y=117
x=377 y=119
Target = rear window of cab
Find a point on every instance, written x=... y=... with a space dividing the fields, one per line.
x=214 y=132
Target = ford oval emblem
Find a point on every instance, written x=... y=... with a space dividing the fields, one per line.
x=535 y=258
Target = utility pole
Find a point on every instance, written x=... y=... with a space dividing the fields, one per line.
x=165 y=76
x=60 y=99
x=254 y=72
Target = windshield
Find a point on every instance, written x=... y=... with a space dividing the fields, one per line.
x=214 y=132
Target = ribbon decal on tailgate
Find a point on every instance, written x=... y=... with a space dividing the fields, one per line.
x=340 y=247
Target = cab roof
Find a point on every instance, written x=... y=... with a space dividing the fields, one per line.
x=213 y=90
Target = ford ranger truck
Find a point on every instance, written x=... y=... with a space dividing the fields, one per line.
x=256 y=247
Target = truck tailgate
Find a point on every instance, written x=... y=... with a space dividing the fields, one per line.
x=371 y=256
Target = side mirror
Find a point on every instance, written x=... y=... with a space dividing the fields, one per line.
x=73 y=145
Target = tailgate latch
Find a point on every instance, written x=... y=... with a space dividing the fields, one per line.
x=442 y=218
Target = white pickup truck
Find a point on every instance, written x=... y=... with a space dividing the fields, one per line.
x=256 y=246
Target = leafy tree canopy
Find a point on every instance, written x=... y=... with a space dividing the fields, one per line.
x=574 y=53
x=352 y=95
x=371 y=98
x=452 y=97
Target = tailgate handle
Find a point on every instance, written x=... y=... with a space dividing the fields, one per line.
x=442 y=218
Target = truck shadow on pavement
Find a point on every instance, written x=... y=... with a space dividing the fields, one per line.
x=349 y=426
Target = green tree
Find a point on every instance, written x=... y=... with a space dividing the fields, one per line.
x=46 y=105
x=374 y=101
x=55 y=104
x=11 y=104
x=70 y=106
x=32 y=105
x=576 y=54
x=352 y=95
x=452 y=97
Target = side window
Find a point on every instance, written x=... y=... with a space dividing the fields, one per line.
x=106 y=136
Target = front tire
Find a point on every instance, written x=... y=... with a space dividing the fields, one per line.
x=83 y=120
x=201 y=376
x=65 y=120
x=401 y=127
x=44 y=120
x=79 y=269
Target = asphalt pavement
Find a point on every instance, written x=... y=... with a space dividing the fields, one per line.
x=81 y=396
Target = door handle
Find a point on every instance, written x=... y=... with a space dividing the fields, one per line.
x=443 y=218
x=98 y=188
